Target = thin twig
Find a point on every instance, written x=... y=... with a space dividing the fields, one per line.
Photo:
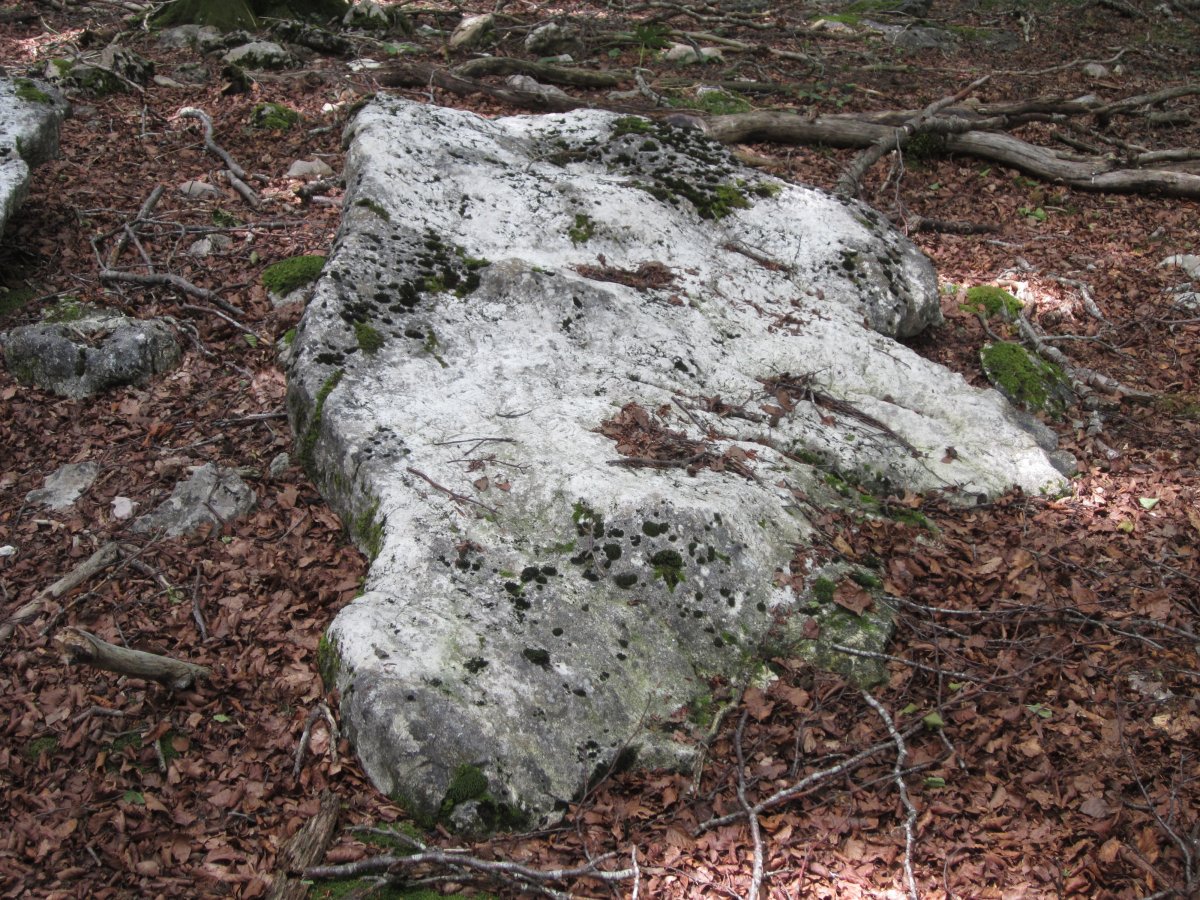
x=910 y=818
x=756 y=872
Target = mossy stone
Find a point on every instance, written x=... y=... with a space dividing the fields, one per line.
x=287 y=275
x=993 y=301
x=273 y=116
x=1026 y=379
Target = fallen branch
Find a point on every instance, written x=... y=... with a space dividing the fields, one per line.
x=804 y=784
x=321 y=711
x=910 y=818
x=847 y=185
x=524 y=875
x=507 y=65
x=101 y=559
x=82 y=647
x=179 y=283
x=756 y=870
x=190 y=112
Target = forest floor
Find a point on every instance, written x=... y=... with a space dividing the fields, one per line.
x=1049 y=645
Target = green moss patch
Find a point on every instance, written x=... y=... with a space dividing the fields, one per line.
x=1026 y=379
x=30 y=92
x=285 y=276
x=273 y=116
x=369 y=338
x=583 y=229
x=992 y=301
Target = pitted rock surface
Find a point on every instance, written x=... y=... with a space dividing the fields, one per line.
x=576 y=382
x=90 y=351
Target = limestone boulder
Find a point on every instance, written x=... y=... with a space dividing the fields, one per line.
x=577 y=384
x=87 y=350
x=30 y=115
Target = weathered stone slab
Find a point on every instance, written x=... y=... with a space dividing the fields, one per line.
x=30 y=115
x=576 y=382
x=65 y=485
x=211 y=496
x=84 y=350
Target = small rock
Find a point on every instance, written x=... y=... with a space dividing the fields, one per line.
x=471 y=31
x=86 y=350
x=1186 y=261
x=210 y=244
x=685 y=54
x=279 y=465
x=550 y=39
x=259 y=55
x=198 y=190
x=187 y=36
x=64 y=486
x=367 y=15
x=529 y=85
x=212 y=495
x=1095 y=70
x=192 y=73
x=309 y=169
x=164 y=81
x=123 y=507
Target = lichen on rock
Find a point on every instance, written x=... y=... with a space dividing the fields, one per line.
x=575 y=462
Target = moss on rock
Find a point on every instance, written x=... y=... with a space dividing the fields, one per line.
x=992 y=301
x=1026 y=379
x=273 y=117
x=287 y=275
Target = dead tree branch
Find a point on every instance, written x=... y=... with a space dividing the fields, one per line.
x=101 y=559
x=910 y=818
x=83 y=647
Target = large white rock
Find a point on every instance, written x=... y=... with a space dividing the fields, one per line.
x=30 y=115
x=547 y=588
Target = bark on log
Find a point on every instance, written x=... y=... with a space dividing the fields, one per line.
x=305 y=849
x=83 y=647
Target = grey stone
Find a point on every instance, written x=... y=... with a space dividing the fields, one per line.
x=65 y=485
x=187 y=35
x=552 y=39
x=279 y=465
x=1096 y=70
x=192 y=73
x=309 y=168
x=542 y=378
x=471 y=31
x=93 y=351
x=210 y=244
x=30 y=115
x=213 y=495
x=1189 y=262
x=532 y=86
x=199 y=190
x=367 y=15
x=918 y=37
x=684 y=54
x=260 y=55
